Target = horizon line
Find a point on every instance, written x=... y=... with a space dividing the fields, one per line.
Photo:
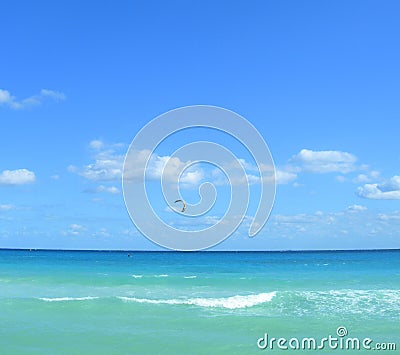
x=201 y=251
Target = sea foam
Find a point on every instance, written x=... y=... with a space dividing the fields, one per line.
x=341 y=301
x=232 y=302
x=65 y=299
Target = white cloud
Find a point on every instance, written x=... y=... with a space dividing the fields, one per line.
x=284 y=177
x=101 y=188
x=393 y=184
x=248 y=166
x=75 y=229
x=355 y=220
x=108 y=166
x=298 y=218
x=110 y=189
x=17 y=177
x=102 y=232
x=361 y=178
x=97 y=200
x=6 y=99
x=251 y=177
x=96 y=144
x=192 y=177
x=356 y=208
x=390 y=216
x=55 y=95
x=6 y=207
x=325 y=161
x=394 y=216
x=166 y=167
x=341 y=178
x=297 y=185
x=158 y=167
x=388 y=190
x=209 y=220
x=368 y=177
x=138 y=158
x=218 y=178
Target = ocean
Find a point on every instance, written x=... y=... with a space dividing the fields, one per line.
x=100 y=302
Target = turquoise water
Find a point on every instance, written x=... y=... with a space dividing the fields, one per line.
x=59 y=302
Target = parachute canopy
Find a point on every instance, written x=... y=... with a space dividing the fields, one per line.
x=183 y=205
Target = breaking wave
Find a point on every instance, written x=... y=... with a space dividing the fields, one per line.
x=232 y=302
x=65 y=299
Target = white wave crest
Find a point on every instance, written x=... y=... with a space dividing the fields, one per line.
x=64 y=299
x=190 y=277
x=232 y=302
x=162 y=275
x=137 y=276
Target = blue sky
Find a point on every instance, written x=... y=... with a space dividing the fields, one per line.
x=319 y=80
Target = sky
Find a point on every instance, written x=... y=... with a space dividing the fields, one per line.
x=319 y=80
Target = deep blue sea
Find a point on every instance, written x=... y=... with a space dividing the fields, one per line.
x=83 y=302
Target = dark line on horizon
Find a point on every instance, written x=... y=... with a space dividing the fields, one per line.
x=199 y=251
